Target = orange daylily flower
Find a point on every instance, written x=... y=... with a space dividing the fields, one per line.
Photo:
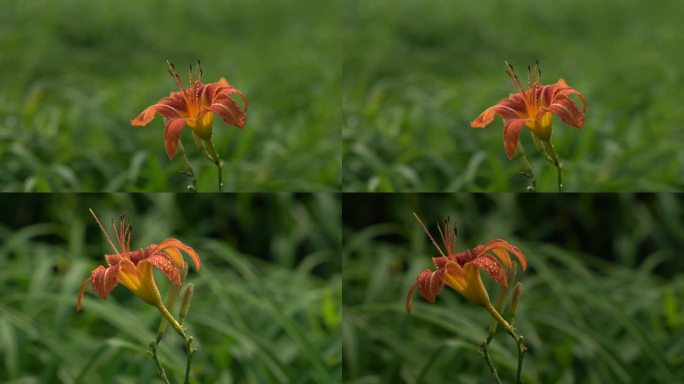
x=195 y=107
x=133 y=269
x=533 y=107
x=461 y=270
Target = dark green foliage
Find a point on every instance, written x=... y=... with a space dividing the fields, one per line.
x=609 y=315
x=266 y=306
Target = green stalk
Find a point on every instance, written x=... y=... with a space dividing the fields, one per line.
x=214 y=157
x=152 y=347
x=519 y=340
x=181 y=331
x=189 y=172
x=551 y=151
x=527 y=171
x=183 y=312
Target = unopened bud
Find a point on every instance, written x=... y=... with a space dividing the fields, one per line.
x=186 y=303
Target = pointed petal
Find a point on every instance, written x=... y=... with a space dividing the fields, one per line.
x=172 y=132
x=510 y=108
x=409 y=298
x=511 y=135
x=175 y=243
x=230 y=90
x=492 y=267
x=164 y=263
x=170 y=107
x=145 y=117
x=229 y=111
x=81 y=292
x=565 y=92
x=567 y=111
x=209 y=91
x=505 y=245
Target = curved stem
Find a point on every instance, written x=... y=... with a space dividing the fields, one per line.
x=152 y=347
x=490 y=363
x=214 y=157
x=527 y=171
x=551 y=151
x=519 y=340
x=181 y=331
x=189 y=172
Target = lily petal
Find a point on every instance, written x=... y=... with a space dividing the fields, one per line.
x=409 y=298
x=567 y=111
x=172 y=133
x=430 y=283
x=104 y=280
x=492 y=267
x=175 y=243
x=229 y=111
x=505 y=245
x=509 y=108
x=166 y=265
x=511 y=134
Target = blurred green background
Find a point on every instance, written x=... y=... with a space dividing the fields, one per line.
x=416 y=73
x=74 y=73
x=266 y=307
x=603 y=297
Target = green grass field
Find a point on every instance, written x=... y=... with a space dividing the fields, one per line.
x=415 y=75
x=75 y=72
x=602 y=301
x=266 y=307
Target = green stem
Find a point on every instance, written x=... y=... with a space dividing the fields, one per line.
x=551 y=151
x=519 y=340
x=183 y=312
x=490 y=363
x=181 y=331
x=527 y=171
x=500 y=303
x=214 y=157
x=152 y=348
x=189 y=172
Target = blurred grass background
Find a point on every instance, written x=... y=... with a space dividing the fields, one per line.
x=74 y=73
x=267 y=302
x=603 y=297
x=415 y=75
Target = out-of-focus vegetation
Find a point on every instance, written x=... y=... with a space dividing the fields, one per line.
x=416 y=73
x=74 y=72
x=603 y=294
x=266 y=306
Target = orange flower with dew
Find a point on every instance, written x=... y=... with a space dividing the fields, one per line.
x=133 y=269
x=461 y=270
x=533 y=107
x=195 y=107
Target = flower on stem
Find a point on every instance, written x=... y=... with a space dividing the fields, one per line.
x=133 y=269
x=533 y=107
x=461 y=270
x=195 y=107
